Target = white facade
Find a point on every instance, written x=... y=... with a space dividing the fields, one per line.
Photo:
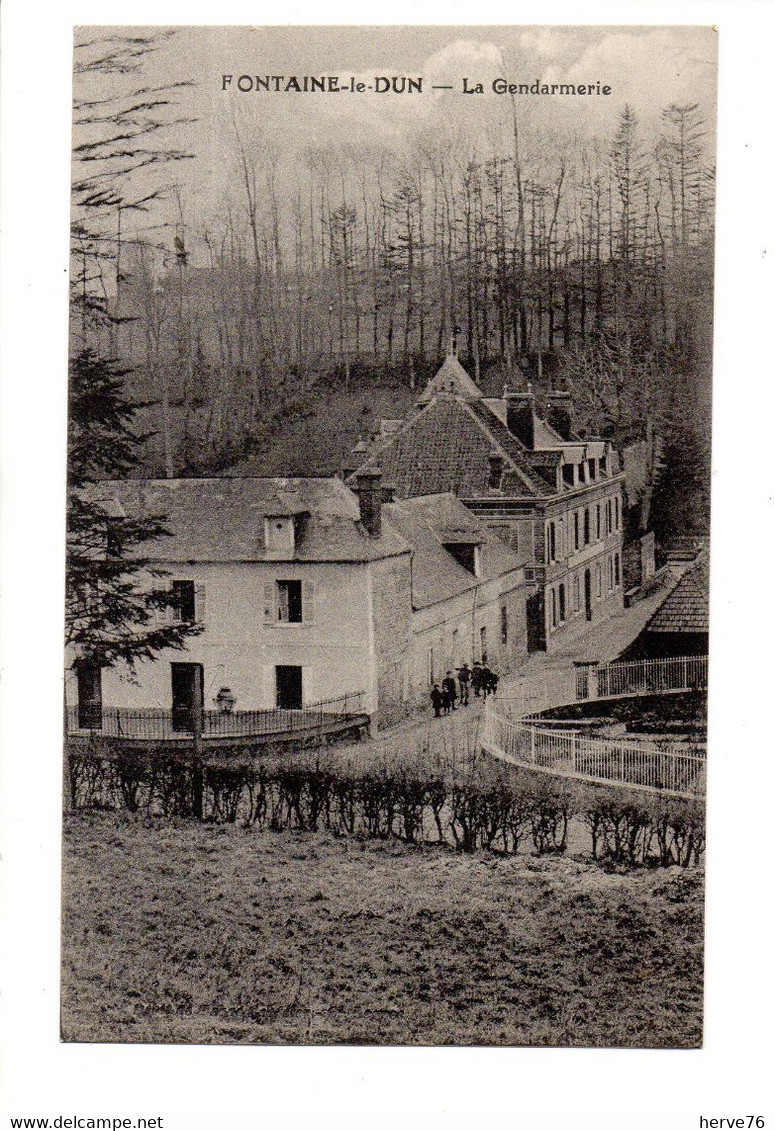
x=242 y=645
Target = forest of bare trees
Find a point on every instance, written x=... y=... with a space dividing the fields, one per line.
x=588 y=261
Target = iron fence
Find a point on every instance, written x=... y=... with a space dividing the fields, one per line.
x=158 y=724
x=641 y=677
x=679 y=769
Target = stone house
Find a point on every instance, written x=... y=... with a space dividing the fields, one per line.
x=554 y=497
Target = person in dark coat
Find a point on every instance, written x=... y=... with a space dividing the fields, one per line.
x=437 y=699
x=476 y=678
x=486 y=680
x=464 y=678
x=449 y=686
x=444 y=699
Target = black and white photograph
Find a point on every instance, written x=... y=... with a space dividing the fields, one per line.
x=384 y=566
x=388 y=526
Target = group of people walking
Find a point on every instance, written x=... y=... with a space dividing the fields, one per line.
x=480 y=679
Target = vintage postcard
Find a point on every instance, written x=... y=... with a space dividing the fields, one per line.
x=388 y=537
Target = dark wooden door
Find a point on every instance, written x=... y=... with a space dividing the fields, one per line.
x=289 y=691
x=536 y=625
x=588 y=594
x=89 y=678
x=187 y=683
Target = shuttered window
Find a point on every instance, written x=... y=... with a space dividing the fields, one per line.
x=289 y=601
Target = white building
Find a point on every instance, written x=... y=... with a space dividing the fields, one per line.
x=308 y=591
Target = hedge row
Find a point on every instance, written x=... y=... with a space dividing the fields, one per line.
x=499 y=809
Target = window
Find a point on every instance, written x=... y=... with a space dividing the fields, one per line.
x=567 y=474
x=552 y=540
x=289 y=606
x=455 y=646
x=610 y=574
x=617 y=570
x=504 y=625
x=592 y=470
x=576 y=594
x=586 y=526
x=554 y=608
x=184 y=601
x=575 y=530
x=465 y=554
x=616 y=505
x=608 y=520
x=483 y=643
x=582 y=472
x=562 y=603
x=599 y=579
x=597 y=521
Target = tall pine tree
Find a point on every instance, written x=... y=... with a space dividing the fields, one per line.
x=112 y=613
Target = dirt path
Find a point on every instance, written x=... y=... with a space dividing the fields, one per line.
x=545 y=679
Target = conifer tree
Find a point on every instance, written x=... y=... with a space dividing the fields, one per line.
x=116 y=605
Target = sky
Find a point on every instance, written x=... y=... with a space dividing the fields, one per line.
x=647 y=67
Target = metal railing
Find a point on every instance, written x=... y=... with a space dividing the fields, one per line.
x=158 y=724
x=641 y=677
x=679 y=770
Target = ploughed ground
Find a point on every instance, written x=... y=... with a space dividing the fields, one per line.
x=182 y=932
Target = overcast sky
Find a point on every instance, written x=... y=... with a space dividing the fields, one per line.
x=647 y=67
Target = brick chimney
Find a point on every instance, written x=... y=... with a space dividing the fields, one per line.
x=369 y=492
x=559 y=412
x=520 y=415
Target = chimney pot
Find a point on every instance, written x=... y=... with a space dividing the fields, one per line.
x=520 y=415
x=559 y=412
x=369 y=491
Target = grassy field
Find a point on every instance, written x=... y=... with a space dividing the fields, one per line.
x=181 y=932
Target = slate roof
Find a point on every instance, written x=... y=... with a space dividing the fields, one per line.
x=450 y=378
x=222 y=519
x=447 y=447
x=426 y=523
x=685 y=609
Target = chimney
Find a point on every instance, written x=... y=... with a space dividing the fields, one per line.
x=496 y=471
x=559 y=412
x=369 y=492
x=456 y=331
x=520 y=415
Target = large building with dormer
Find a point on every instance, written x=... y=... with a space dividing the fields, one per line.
x=553 y=496
x=306 y=591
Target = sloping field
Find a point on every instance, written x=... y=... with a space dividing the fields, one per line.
x=181 y=932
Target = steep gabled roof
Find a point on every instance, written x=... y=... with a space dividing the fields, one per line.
x=428 y=523
x=452 y=379
x=685 y=609
x=447 y=447
x=222 y=519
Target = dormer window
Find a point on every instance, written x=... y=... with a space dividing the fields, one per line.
x=465 y=554
x=279 y=535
